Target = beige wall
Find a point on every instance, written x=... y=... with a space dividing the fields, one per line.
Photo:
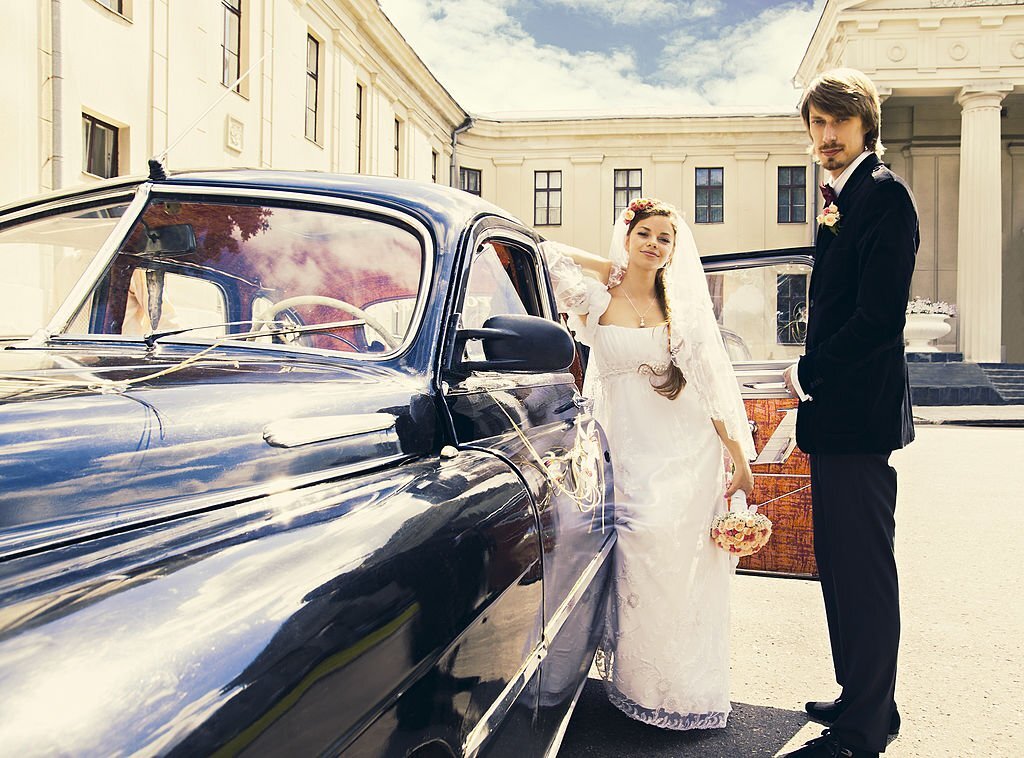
x=667 y=151
x=152 y=72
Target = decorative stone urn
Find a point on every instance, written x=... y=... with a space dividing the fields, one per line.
x=922 y=329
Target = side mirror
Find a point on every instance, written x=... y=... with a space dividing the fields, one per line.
x=517 y=343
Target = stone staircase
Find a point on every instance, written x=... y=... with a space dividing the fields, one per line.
x=1008 y=379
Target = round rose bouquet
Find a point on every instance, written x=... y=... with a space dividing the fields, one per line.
x=741 y=532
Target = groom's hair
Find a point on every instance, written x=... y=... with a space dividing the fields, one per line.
x=846 y=92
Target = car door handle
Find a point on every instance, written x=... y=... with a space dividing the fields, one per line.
x=580 y=402
x=584 y=403
x=772 y=386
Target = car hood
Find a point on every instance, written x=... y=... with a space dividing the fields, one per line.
x=101 y=436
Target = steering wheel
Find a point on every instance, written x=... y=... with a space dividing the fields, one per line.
x=333 y=302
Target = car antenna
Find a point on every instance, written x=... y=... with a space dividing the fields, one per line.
x=157 y=167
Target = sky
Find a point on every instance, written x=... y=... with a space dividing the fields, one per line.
x=516 y=56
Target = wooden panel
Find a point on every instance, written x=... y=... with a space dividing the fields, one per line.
x=785 y=489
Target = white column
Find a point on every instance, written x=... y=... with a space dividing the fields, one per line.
x=979 y=240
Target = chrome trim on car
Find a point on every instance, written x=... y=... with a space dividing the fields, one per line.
x=43 y=204
x=556 y=742
x=35 y=538
x=294 y=432
x=67 y=309
x=558 y=618
x=714 y=266
x=496 y=713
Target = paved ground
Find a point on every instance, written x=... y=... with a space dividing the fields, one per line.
x=960 y=542
x=983 y=415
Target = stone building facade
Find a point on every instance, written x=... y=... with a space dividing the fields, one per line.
x=102 y=85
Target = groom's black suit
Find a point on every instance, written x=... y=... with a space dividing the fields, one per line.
x=855 y=371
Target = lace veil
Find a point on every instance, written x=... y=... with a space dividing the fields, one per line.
x=695 y=341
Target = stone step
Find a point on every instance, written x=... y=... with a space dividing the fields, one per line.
x=951 y=383
x=1007 y=379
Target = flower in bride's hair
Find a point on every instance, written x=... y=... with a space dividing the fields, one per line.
x=641 y=204
x=628 y=216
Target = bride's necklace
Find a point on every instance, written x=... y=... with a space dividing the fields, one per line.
x=637 y=310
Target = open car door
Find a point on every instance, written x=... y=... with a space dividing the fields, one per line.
x=760 y=300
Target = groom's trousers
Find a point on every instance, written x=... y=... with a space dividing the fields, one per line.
x=854 y=504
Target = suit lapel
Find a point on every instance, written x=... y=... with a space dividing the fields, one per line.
x=846 y=200
x=856 y=181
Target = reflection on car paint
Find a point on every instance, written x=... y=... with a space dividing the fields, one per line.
x=226 y=521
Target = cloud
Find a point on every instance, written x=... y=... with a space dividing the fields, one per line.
x=491 y=64
x=638 y=12
x=751 y=63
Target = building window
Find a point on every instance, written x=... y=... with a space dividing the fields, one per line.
x=115 y=5
x=791 y=309
x=312 y=85
x=628 y=187
x=398 y=147
x=433 y=166
x=547 y=198
x=469 y=180
x=359 y=128
x=99 y=147
x=710 y=194
x=232 y=43
x=792 y=195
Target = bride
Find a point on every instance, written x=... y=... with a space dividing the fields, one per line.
x=664 y=391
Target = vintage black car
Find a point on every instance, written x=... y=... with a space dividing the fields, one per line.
x=290 y=463
x=293 y=462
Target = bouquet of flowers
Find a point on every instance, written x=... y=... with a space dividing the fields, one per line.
x=924 y=305
x=741 y=531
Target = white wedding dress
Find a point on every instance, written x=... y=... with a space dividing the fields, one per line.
x=665 y=656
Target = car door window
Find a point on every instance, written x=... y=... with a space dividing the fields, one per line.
x=761 y=306
x=762 y=309
x=43 y=259
x=159 y=300
x=502 y=281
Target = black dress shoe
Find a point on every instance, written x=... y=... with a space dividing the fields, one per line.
x=828 y=745
x=827 y=711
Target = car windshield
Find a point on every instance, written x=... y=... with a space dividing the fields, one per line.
x=215 y=270
x=43 y=259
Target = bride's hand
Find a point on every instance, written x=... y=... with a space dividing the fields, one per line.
x=742 y=479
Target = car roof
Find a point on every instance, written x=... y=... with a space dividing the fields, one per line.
x=442 y=205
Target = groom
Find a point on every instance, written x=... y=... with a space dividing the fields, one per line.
x=855 y=406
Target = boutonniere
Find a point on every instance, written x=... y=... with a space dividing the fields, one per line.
x=829 y=217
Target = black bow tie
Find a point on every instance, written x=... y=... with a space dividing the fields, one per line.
x=828 y=193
